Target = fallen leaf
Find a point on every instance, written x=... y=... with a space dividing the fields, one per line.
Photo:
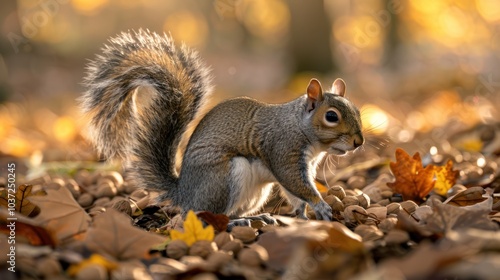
x=61 y=214
x=112 y=234
x=34 y=235
x=282 y=244
x=23 y=205
x=413 y=181
x=467 y=197
x=342 y=238
x=93 y=259
x=445 y=178
x=426 y=259
x=445 y=217
x=193 y=230
x=218 y=221
x=341 y=255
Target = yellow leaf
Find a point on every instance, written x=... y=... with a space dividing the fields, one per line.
x=473 y=145
x=193 y=230
x=94 y=259
x=445 y=178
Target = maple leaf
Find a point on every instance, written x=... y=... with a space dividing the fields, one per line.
x=112 y=234
x=23 y=205
x=193 y=230
x=413 y=181
x=60 y=214
x=445 y=178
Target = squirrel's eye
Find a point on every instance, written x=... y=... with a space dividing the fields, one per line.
x=331 y=116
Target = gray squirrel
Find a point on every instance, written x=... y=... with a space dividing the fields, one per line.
x=143 y=92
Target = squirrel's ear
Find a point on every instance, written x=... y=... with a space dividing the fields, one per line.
x=338 y=87
x=314 y=94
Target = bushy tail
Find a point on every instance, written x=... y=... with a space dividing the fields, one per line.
x=142 y=93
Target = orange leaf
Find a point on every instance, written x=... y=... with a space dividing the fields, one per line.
x=34 y=235
x=321 y=188
x=413 y=181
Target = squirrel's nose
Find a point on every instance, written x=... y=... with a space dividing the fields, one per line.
x=358 y=140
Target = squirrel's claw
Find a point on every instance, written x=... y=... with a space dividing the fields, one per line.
x=323 y=211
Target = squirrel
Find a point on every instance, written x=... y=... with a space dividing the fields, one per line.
x=142 y=93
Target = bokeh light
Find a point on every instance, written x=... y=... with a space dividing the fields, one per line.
x=268 y=19
x=188 y=27
x=89 y=7
x=374 y=119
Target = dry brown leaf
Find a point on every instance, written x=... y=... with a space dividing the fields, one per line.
x=285 y=241
x=412 y=180
x=112 y=234
x=467 y=197
x=341 y=255
x=445 y=217
x=342 y=238
x=61 y=214
x=426 y=260
x=218 y=221
x=23 y=205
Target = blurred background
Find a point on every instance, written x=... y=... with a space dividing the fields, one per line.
x=420 y=70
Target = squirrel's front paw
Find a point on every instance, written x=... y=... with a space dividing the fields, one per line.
x=323 y=211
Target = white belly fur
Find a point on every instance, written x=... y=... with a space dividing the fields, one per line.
x=252 y=187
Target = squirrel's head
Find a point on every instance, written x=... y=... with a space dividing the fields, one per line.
x=335 y=121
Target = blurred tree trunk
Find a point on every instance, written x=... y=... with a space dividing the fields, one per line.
x=310 y=36
x=9 y=20
x=10 y=34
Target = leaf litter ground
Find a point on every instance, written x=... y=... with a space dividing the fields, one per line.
x=396 y=216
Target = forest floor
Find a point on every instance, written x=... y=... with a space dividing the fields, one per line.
x=395 y=216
